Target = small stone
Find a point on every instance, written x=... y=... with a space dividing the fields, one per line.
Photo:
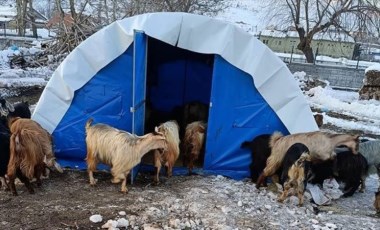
x=330 y=212
x=316 y=226
x=295 y=223
x=96 y=218
x=240 y=203
x=292 y=212
x=122 y=213
x=314 y=221
x=122 y=223
x=331 y=225
x=275 y=223
x=267 y=206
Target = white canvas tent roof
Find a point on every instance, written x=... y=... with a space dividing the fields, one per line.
x=192 y=32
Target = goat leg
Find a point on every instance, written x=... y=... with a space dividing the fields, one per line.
x=352 y=188
x=38 y=171
x=362 y=184
x=300 y=192
x=12 y=184
x=91 y=176
x=260 y=180
x=157 y=164
x=4 y=184
x=26 y=181
x=124 y=188
x=285 y=192
x=169 y=169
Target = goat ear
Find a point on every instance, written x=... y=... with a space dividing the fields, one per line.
x=155 y=130
x=9 y=106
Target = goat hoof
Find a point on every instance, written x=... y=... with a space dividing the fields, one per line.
x=115 y=181
x=124 y=192
x=93 y=182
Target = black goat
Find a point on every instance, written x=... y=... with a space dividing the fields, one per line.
x=349 y=168
x=21 y=109
x=352 y=170
x=260 y=152
x=4 y=156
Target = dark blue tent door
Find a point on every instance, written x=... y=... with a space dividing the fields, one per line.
x=139 y=86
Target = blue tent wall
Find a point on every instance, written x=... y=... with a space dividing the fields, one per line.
x=238 y=113
x=106 y=98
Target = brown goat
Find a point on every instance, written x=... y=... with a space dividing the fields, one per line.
x=168 y=157
x=119 y=149
x=193 y=143
x=320 y=144
x=318 y=119
x=30 y=152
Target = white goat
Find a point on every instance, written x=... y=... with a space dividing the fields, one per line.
x=118 y=149
x=168 y=158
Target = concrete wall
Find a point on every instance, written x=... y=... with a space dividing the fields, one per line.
x=343 y=77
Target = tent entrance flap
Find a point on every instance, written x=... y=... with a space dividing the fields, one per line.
x=175 y=78
x=139 y=87
x=139 y=83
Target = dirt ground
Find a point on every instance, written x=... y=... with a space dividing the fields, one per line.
x=67 y=201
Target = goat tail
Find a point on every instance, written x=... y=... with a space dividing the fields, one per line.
x=274 y=138
x=88 y=123
x=273 y=163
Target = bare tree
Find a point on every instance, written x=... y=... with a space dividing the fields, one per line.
x=32 y=19
x=21 y=6
x=310 y=17
x=195 y=6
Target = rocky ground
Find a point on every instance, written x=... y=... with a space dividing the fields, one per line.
x=67 y=201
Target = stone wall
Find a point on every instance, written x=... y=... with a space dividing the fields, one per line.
x=342 y=77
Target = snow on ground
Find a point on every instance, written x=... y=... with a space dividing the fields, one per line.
x=216 y=202
x=365 y=113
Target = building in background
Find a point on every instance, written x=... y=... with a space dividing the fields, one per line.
x=8 y=20
x=331 y=43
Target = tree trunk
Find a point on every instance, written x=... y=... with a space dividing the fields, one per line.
x=305 y=46
x=73 y=11
x=106 y=12
x=23 y=20
x=33 y=19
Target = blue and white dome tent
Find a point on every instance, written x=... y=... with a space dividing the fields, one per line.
x=171 y=59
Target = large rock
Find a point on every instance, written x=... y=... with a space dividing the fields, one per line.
x=371 y=86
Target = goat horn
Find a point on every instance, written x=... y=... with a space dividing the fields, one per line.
x=58 y=167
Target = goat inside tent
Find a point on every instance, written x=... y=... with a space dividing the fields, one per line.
x=159 y=62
